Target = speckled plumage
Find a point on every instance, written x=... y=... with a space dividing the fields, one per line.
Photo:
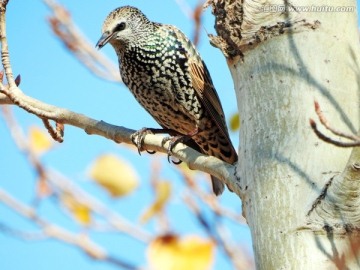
x=167 y=76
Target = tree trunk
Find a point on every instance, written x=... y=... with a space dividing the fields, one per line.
x=300 y=194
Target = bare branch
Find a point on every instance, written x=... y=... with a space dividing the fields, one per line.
x=56 y=134
x=4 y=47
x=216 y=233
x=195 y=15
x=210 y=199
x=54 y=231
x=328 y=139
x=116 y=221
x=27 y=236
x=185 y=8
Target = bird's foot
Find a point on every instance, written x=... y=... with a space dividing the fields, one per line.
x=173 y=141
x=139 y=136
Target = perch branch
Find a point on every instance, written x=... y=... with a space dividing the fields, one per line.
x=194 y=159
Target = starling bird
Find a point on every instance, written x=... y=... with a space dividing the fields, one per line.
x=167 y=76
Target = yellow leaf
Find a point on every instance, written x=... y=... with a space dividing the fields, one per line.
x=234 y=122
x=39 y=140
x=80 y=211
x=114 y=174
x=163 y=192
x=171 y=252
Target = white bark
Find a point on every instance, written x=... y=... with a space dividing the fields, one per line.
x=283 y=166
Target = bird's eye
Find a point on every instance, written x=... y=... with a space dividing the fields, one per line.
x=119 y=27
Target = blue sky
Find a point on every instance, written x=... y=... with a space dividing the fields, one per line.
x=49 y=73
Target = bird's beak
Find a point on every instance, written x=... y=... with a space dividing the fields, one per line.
x=105 y=38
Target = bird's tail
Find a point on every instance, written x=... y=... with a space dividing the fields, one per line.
x=228 y=155
x=217 y=186
x=213 y=143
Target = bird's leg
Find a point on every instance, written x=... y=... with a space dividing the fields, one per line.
x=138 y=137
x=173 y=141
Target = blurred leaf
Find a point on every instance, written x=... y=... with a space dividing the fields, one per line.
x=39 y=140
x=114 y=174
x=234 y=122
x=171 y=252
x=80 y=211
x=162 y=193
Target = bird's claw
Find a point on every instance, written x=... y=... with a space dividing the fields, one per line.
x=138 y=140
x=138 y=137
x=176 y=162
x=172 y=144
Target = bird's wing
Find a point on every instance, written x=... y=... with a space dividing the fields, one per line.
x=205 y=89
x=201 y=80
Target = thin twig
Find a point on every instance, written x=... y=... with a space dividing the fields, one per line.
x=63 y=27
x=12 y=88
x=112 y=218
x=355 y=139
x=54 y=133
x=185 y=8
x=194 y=15
x=54 y=231
x=210 y=200
x=328 y=139
x=216 y=233
x=197 y=17
x=327 y=125
x=27 y=236
x=4 y=46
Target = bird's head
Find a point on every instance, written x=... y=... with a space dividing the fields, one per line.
x=124 y=26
